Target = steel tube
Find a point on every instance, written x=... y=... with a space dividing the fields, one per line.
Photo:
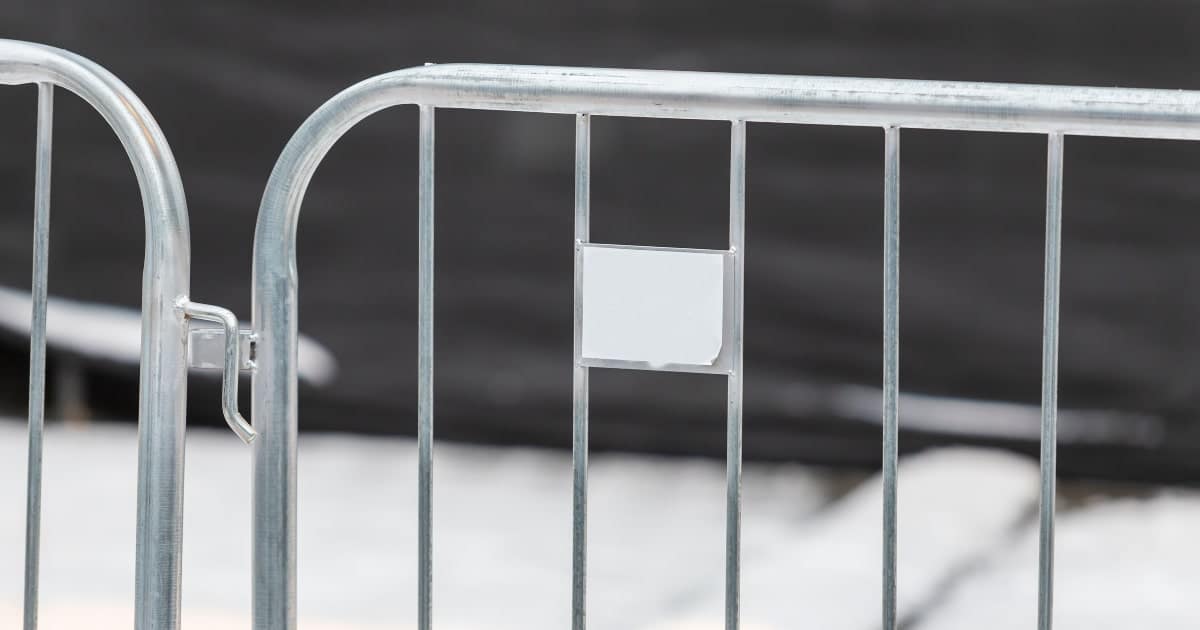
x=733 y=438
x=1116 y=112
x=891 y=364
x=162 y=383
x=579 y=415
x=425 y=374
x=1054 y=164
x=37 y=350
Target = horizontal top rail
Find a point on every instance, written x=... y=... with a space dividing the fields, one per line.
x=1118 y=112
x=946 y=105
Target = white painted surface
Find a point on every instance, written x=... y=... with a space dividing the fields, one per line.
x=653 y=305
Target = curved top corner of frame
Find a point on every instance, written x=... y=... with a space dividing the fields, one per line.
x=23 y=62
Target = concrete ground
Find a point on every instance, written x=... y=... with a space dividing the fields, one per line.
x=502 y=540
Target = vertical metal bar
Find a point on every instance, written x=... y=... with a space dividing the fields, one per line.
x=579 y=420
x=425 y=375
x=891 y=364
x=1054 y=162
x=37 y=350
x=275 y=416
x=733 y=438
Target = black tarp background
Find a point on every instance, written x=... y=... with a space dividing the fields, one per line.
x=229 y=81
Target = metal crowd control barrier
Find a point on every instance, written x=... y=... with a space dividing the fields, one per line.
x=165 y=313
x=890 y=105
x=711 y=293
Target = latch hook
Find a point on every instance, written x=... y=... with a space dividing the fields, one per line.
x=232 y=365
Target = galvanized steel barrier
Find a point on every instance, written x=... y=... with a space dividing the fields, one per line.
x=890 y=105
x=165 y=313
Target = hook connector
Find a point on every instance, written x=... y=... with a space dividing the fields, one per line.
x=232 y=363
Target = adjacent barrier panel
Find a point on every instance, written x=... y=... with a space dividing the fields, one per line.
x=622 y=293
x=163 y=359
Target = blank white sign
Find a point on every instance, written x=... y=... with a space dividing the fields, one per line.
x=654 y=306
